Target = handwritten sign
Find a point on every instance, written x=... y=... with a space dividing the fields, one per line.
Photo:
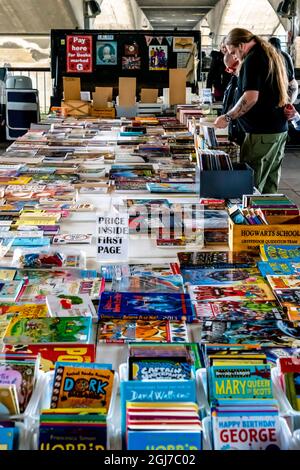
x=112 y=237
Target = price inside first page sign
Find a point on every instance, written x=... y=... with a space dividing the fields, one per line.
x=112 y=237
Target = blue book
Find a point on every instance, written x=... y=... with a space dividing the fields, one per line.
x=280 y=253
x=171 y=188
x=277 y=268
x=163 y=306
x=183 y=440
x=212 y=276
x=7 y=438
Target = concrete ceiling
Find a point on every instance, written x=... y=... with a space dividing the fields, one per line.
x=38 y=16
x=182 y=14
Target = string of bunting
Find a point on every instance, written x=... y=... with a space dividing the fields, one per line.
x=160 y=39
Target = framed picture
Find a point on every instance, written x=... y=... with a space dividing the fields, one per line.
x=131 y=63
x=106 y=53
x=183 y=44
x=131 y=49
x=158 y=57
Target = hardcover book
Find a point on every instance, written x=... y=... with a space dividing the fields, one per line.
x=126 y=331
x=48 y=330
x=145 y=305
x=82 y=387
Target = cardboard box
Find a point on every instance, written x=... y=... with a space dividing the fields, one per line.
x=72 y=88
x=222 y=184
x=177 y=86
x=106 y=113
x=149 y=95
x=102 y=96
x=76 y=107
x=127 y=92
x=250 y=237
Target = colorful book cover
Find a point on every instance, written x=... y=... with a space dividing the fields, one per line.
x=239 y=310
x=10 y=290
x=52 y=353
x=171 y=188
x=246 y=431
x=144 y=369
x=48 y=330
x=277 y=268
x=231 y=292
x=23 y=375
x=164 y=440
x=280 y=253
x=70 y=305
x=73 y=436
x=126 y=331
x=160 y=306
x=26 y=310
x=239 y=382
x=7 y=438
x=264 y=333
x=78 y=387
x=147 y=283
x=284 y=281
x=221 y=276
x=215 y=259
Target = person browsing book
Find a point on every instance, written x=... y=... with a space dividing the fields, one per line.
x=235 y=131
x=261 y=97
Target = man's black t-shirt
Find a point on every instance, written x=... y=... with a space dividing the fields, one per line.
x=265 y=117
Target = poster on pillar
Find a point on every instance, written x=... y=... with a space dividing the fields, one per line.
x=79 y=54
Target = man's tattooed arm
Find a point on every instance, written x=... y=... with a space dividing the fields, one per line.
x=245 y=103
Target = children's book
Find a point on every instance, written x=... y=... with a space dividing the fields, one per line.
x=53 y=352
x=171 y=188
x=145 y=306
x=239 y=382
x=48 y=330
x=231 y=292
x=215 y=259
x=280 y=253
x=73 y=436
x=22 y=374
x=246 y=430
x=278 y=268
x=10 y=290
x=70 y=305
x=82 y=387
x=8 y=438
x=147 y=283
x=126 y=331
x=284 y=281
x=221 y=276
x=9 y=403
x=268 y=333
x=25 y=310
x=239 y=310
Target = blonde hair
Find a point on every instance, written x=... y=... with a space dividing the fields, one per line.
x=277 y=69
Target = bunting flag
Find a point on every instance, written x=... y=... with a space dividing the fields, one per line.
x=160 y=39
x=169 y=39
x=148 y=39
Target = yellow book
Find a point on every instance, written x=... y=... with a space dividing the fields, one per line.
x=40 y=221
x=20 y=180
x=28 y=310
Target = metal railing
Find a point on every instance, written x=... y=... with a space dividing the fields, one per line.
x=41 y=80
